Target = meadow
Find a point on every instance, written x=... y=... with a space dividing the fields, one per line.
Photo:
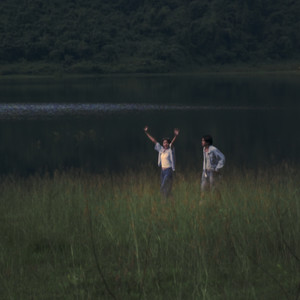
x=73 y=235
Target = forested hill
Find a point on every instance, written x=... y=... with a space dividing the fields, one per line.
x=147 y=35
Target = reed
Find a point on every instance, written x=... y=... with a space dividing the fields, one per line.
x=73 y=235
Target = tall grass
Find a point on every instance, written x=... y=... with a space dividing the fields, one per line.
x=82 y=236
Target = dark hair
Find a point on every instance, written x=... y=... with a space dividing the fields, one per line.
x=208 y=139
x=166 y=139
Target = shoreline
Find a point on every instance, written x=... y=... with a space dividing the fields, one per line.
x=45 y=70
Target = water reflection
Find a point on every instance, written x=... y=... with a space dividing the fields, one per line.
x=53 y=110
x=97 y=124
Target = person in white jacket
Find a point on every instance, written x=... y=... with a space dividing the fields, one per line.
x=166 y=160
x=213 y=161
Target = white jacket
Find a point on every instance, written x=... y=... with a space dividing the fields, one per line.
x=216 y=157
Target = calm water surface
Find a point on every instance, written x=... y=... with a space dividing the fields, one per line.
x=97 y=123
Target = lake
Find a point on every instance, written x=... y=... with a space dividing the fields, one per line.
x=96 y=124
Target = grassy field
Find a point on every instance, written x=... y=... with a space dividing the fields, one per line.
x=84 y=236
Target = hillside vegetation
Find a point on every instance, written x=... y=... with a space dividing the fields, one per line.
x=146 y=36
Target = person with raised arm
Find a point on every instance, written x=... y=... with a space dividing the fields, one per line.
x=166 y=160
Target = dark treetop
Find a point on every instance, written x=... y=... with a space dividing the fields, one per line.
x=147 y=36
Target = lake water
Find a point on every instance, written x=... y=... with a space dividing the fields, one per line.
x=97 y=123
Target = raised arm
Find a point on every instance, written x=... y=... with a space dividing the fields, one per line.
x=176 y=132
x=151 y=138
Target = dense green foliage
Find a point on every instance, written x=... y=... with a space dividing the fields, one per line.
x=135 y=35
x=63 y=236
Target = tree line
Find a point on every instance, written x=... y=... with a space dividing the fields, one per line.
x=148 y=35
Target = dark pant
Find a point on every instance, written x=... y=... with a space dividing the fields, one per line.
x=166 y=181
x=209 y=180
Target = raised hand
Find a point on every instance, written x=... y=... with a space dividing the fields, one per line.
x=149 y=135
x=176 y=131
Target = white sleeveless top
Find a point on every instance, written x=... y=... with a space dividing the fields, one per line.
x=165 y=157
